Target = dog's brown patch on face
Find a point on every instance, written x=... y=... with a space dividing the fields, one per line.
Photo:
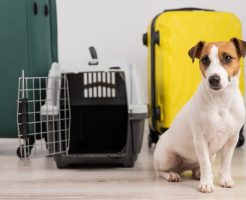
x=205 y=54
x=227 y=55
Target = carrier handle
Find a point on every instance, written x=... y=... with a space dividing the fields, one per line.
x=93 y=52
x=188 y=9
x=94 y=57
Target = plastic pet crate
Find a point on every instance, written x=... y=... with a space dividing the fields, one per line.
x=105 y=113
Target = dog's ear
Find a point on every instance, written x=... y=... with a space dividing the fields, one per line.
x=195 y=52
x=240 y=46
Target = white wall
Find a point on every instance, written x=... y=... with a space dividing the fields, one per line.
x=115 y=27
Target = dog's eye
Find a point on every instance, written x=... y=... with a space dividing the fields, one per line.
x=205 y=60
x=227 y=59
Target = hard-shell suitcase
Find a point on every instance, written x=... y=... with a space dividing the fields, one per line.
x=28 y=41
x=172 y=78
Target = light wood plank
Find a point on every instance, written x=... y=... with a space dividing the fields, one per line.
x=39 y=178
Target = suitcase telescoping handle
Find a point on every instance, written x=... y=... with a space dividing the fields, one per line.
x=154 y=40
x=94 y=57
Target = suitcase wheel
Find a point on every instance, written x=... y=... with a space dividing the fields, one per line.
x=153 y=137
x=24 y=150
x=241 y=138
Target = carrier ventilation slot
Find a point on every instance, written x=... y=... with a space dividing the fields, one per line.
x=99 y=85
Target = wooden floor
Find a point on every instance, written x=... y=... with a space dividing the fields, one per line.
x=39 y=178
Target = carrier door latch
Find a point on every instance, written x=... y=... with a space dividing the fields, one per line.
x=93 y=52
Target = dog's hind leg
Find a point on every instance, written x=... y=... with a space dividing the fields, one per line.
x=165 y=165
x=170 y=176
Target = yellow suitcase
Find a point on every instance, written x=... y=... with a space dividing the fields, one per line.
x=172 y=78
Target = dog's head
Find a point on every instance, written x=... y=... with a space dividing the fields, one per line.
x=219 y=61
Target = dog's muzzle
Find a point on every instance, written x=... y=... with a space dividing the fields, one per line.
x=214 y=82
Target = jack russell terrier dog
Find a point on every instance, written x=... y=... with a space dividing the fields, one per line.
x=209 y=122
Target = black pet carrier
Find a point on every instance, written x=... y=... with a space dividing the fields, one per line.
x=94 y=113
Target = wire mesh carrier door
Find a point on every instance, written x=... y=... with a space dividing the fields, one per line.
x=43 y=116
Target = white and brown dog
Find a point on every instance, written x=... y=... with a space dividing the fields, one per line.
x=209 y=122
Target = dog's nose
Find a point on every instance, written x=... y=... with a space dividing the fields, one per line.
x=214 y=80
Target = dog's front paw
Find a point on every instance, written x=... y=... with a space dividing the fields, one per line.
x=226 y=182
x=206 y=186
